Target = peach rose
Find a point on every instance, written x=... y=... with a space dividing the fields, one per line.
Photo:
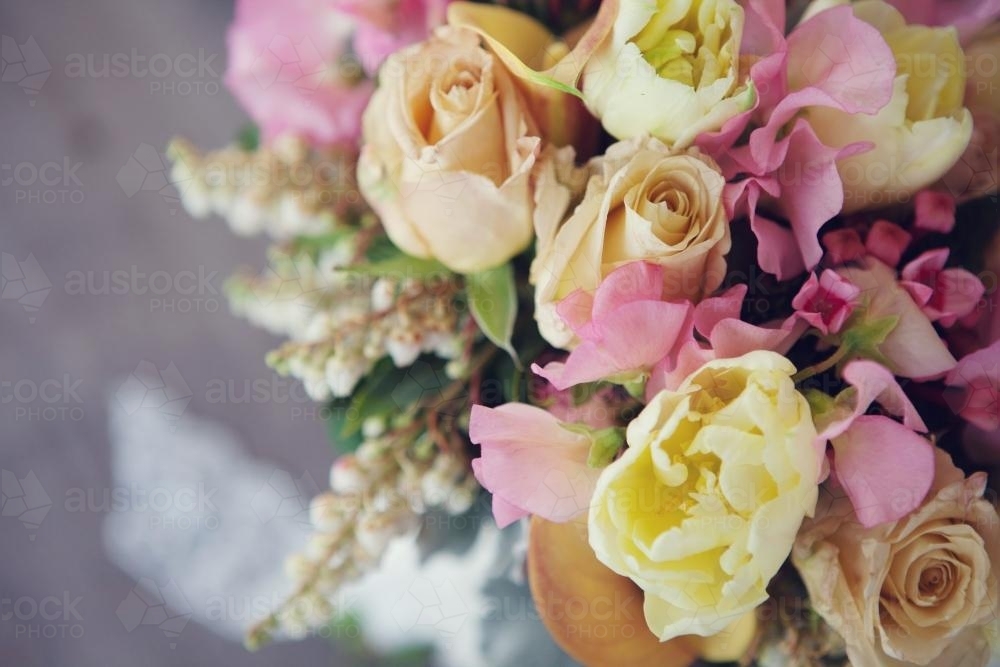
x=916 y=591
x=642 y=203
x=449 y=149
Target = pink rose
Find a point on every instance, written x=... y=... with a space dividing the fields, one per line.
x=290 y=68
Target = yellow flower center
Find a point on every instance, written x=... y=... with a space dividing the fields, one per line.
x=687 y=41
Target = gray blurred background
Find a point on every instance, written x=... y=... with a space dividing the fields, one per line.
x=64 y=354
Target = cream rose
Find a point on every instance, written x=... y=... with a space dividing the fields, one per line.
x=907 y=592
x=703 y=507
x=448 y=152
x=923 y=130
x=977 y=173
x=669 y=68
x=642 y=202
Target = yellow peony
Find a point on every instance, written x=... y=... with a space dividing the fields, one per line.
x=669 y=68
x=923 y=130
x=704 y=506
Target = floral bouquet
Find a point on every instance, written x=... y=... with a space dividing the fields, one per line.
x=705 y=288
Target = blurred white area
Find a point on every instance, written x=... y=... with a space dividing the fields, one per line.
x=225 y=555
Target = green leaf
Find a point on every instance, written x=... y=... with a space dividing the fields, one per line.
x=605 y=443
x=248 y=138
x=493 y=302
x=316 y=244
x=338 y=414
x=381 y=248
x=396 y=264
x=372 y=397
x=865 y=337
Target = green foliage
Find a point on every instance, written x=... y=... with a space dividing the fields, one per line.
x=248 y=138
x=492 y=298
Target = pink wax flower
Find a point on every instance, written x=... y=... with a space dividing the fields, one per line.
x=887 y=241
x=386 y=26
x=784 y=167
x=625 y=327
x=826 y=302
x=290 y=68
x=976 y=378
x=935 y=211
x=884 y=466
x=531 y=463
x=843 y=246
x=945 y=295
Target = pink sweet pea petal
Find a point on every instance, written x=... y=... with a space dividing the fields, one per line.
x=887 y=241
x=935 y=211
x=843 y=59
x=628 y=329
x=636 y=281
x=944 y=295
x=635 y=337
x=287 y=69
x=575 y=311
x=810 y=201
x=875 y=384
x=977 y=378
x=670 y=373
x=885 y=468
x=531 y=463
x=386 y=26
x=713 y=310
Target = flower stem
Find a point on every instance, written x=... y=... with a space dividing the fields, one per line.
x=824 y=365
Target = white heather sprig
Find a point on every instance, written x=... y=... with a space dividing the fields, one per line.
x=285 y=189
x=377 y=494
x=351 y=326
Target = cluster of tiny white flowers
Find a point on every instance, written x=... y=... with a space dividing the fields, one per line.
x=352 y=328
x=376 y=495
x=285 y=189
